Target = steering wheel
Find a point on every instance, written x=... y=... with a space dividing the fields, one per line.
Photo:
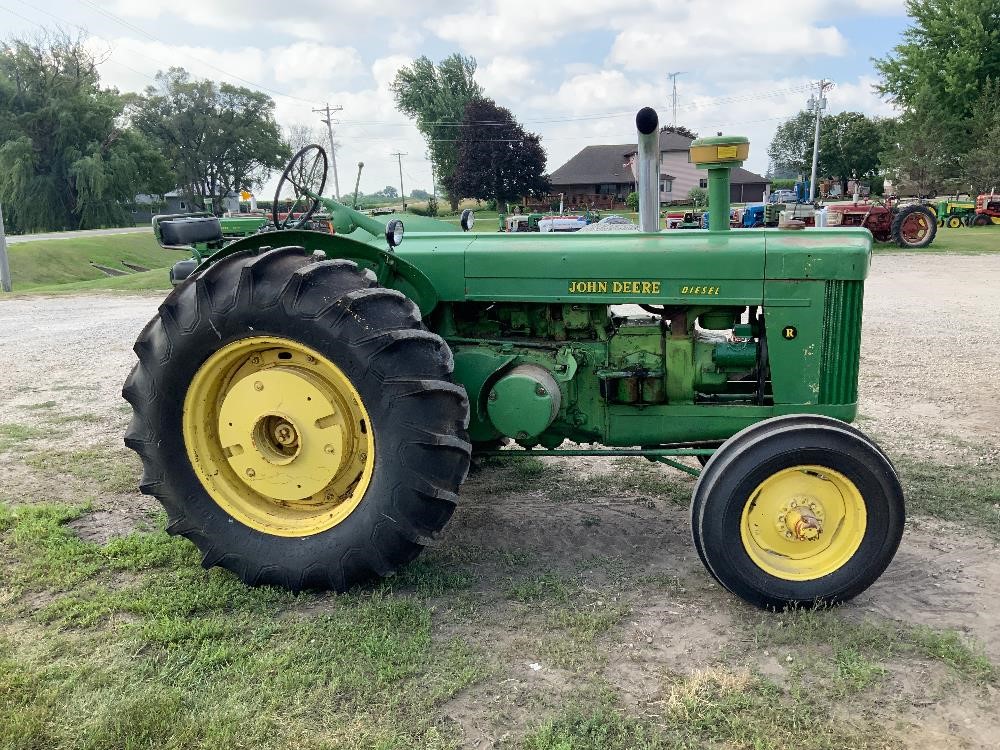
x=306 y=171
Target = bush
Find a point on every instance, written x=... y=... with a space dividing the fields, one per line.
x=632 y=201
x=430 y=210
x=698 y=196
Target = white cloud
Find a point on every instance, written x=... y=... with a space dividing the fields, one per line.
x=507 y=78
x=735 y=40
x=510 y=25
x=314 y=64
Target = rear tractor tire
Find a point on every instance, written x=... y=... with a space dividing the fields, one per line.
x=797 y=511
x=296 y=421
x=914 y=227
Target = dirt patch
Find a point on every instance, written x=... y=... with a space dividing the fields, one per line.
x=944 y=577
x=101 y=526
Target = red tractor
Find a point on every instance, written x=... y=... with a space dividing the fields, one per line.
x=912 y=226
x=987 y=211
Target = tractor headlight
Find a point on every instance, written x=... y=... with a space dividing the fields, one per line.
x=394 y=232
x=468 y=219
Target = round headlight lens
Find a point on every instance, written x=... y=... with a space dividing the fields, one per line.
x=394 y=232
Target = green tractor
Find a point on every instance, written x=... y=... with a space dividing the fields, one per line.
x=954 y=213
x=306 y=405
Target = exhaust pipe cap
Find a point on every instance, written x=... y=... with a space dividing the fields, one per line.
x=646 y=120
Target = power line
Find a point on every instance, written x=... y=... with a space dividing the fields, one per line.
x=557 y=119
x=328 y=111
x=402 y=193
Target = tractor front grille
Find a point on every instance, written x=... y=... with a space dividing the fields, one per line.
x=838 y=379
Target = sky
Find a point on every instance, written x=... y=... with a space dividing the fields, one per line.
x=574 y=71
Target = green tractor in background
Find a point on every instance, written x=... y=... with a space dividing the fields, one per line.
x=954 y=213
x=306 y=404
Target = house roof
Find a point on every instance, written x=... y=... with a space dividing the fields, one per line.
x=744 y=176
x=596 y=164
x=607 y=163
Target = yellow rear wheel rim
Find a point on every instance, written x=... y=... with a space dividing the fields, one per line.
x=278 y=436
x=803 y=523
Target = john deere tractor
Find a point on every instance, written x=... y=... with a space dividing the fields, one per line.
x=307 y=404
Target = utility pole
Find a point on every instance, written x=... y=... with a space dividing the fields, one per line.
x=4 y=266
x=818 y=104
x=673 y=98
x=399 y=158
x=328 y=111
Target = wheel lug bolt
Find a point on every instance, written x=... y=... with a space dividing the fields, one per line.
x=258 y=386
x=251 y=473
x=328 y=448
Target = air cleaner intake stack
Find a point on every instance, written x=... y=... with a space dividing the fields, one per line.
x=648 y=173
x=719 y=154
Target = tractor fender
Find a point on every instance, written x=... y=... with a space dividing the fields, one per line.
x=391 y=271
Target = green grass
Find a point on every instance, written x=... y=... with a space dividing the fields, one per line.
x=960 y=240
x=967 y=494
x=716 y=707
x=823 y=641
x=48 y=263
x=14 y=434
x=133 y=645
x=156 y=280
x=110 y=469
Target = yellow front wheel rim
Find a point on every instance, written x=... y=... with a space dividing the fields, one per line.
x=278 y=436
x=803 y=523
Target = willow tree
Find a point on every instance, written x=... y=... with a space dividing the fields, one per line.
x=436 y=97
x=68 y=159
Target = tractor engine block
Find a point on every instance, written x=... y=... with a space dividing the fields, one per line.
x=542 y=373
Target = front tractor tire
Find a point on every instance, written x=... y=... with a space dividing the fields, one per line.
x=296 y=421
x=797 y=511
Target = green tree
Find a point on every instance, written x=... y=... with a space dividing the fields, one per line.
x=849 y=147
x=946 y=57
x=68 y=159
x=981 y=164
x=790 y=152
x=680 y=130
x=921 y=155
x=498 y=161
x=436 y=96
x=698 y=197
x=218 y=138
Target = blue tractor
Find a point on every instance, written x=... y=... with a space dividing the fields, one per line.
x=753 y=215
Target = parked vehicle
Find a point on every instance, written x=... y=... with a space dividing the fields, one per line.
x=913 y=225
x=954 y=213
x=987 y=211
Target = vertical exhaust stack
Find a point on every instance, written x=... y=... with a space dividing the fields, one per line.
x=648 y=174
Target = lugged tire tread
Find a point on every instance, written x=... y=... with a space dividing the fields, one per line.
x=413 y=365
